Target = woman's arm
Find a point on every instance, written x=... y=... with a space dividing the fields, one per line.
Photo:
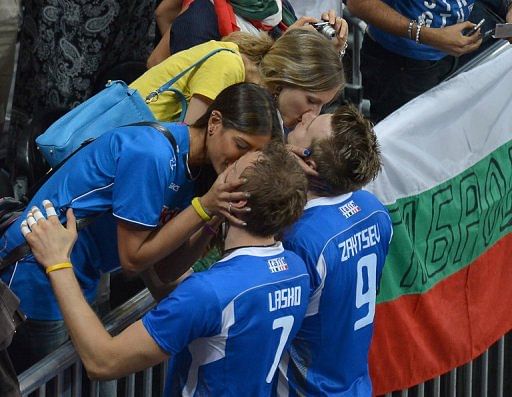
x=196 y=108
x=161 y=52
x=141 y=248
x=166 y=13
x=164 y=276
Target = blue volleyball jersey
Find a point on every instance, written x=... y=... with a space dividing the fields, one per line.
x=130 y=174
x=227 y=327
x=344 y=242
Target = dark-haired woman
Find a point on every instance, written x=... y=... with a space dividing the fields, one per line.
x=134 y=179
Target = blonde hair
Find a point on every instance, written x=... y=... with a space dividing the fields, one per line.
x=253 y=46
x=300 y=58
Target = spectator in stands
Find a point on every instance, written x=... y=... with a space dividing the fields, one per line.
x=410 y=47
x=301 y=69
x=314 y=7
x=200 y=21
x=249 y=303
x=343 y=237
x=10 y=16
x=66 y=46
x=132 y=180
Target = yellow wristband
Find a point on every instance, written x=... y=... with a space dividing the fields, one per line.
x=58 y=266
x=196 y=204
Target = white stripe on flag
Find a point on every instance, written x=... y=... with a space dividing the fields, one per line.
x=446 y=130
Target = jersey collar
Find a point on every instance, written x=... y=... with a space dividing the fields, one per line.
x=316 y=202
x=255 y=251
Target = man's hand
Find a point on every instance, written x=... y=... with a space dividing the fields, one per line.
x=451 y=40
x=49 y=240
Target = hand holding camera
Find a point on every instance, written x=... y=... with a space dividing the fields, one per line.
x=324 y=28
x=333 y=27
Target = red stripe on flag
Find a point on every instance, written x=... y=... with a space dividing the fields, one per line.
x=418 y=337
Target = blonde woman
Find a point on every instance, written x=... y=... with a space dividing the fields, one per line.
x=301 y=69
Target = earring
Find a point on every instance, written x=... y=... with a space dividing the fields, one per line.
x=210 y=131
x=276 y=93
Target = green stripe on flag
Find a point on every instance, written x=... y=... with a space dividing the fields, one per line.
x=444 y=229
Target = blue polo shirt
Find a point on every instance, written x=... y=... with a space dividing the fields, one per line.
x=131 y=174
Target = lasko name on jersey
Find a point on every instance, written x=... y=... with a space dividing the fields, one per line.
x=284 y=298
x=349 y=209
x=277 y=265
x=363 y=239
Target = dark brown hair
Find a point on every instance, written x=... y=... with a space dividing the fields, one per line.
x=278 y=191
x=245 y=107
x=350 y=157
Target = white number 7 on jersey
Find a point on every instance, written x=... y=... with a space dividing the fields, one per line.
x=286 y=323
x=362 y=298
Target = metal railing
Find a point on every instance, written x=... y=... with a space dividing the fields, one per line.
x=489 y=375
x=61 y=373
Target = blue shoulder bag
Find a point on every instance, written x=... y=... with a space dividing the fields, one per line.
x=114 y=106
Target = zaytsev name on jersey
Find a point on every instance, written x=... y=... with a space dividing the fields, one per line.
x=226 y=328
x=344 y=241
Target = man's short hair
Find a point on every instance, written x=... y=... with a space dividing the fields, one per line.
x=278 y=191
x=349 y=158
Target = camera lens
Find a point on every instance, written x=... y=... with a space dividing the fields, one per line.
x=325 y=29
x=328 y=31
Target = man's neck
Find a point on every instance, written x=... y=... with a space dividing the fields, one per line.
x=240 y=237
x=310 y=195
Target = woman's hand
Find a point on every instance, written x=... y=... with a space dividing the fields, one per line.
x=341 y=28
x=301 y=154
x=338 y=23
x=225 y=199
x=49 y=240
x=303 y=22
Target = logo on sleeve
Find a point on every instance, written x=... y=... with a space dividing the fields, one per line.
x=349 y=209
x=277 y=265
x=172 y=163
x=174 y=187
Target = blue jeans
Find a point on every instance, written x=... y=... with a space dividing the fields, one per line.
x=35 y=339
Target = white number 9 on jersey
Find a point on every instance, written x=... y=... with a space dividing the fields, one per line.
x=368 y=262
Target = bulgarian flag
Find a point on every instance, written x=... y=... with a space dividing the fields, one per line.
x=446 y=290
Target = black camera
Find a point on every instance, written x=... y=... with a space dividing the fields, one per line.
x=324 y=28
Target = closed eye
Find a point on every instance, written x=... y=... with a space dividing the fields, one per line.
x=242 y=145
x=314 y=101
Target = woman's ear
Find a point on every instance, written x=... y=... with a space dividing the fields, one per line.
x=214 y=122
x=276 y=91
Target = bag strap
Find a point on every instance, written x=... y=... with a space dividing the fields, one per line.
x=160 y=128
x=153 y=95
x=21 y=250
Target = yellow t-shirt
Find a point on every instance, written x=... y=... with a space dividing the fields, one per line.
x=221 y=70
